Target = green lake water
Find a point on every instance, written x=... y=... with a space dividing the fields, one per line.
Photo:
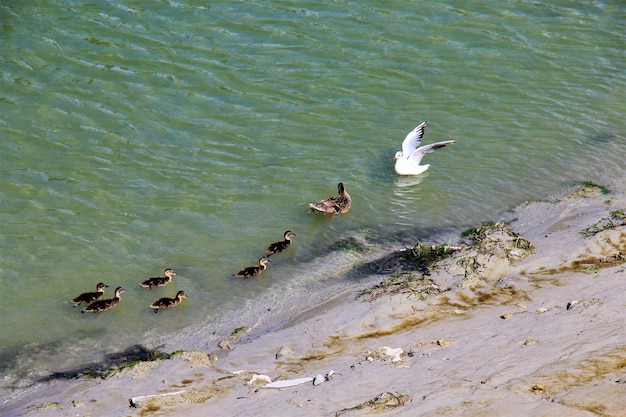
x=139 y=135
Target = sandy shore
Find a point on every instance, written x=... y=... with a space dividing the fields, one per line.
x=502 y=329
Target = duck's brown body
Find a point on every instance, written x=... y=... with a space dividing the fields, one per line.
x=106 y=304
x=334 y=205
x=253 y=271
x=154 y=282
x=167 y=302
x=281 y=245
x=89 y=297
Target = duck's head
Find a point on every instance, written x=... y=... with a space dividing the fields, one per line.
x=169 y=272
x=119 y=291
x=289 y=234
x=101 y=286
x=398 y=155
x=341 y=188
x=263 y=261
x=181 y=294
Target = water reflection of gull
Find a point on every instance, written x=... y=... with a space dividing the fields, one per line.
x=406 y=198
x=407 y=181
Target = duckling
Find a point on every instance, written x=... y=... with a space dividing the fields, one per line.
x=281 y=245
x=166 y=302
x=336 y=204
x=89 y=297
x=253 y=271
x=106 y=304
x=159 y=281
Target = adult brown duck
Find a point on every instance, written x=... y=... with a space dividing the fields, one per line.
x=99 y=306
x=159 y=281
x=89 y=297
x=167 y=302
x=338 y=204
x=281 y=245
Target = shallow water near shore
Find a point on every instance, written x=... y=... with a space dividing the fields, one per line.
x=139 y=137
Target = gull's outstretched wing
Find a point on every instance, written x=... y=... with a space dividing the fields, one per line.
x=413 y=139
x=419 y=153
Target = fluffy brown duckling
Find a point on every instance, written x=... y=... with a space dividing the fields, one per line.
x=159 y=281
x=334 y=205
x=167 y=302
x=281 y=245
x=89 y=297
x=253 y=271
x=99 y=306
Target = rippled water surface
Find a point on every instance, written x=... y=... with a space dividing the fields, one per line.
x=140 y=135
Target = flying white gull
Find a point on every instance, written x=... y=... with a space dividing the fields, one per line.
x=409 y=158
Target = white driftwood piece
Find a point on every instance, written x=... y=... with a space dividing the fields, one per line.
x=288 y=383
x=140 y=401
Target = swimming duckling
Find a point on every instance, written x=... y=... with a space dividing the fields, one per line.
x=253 y=271
x=280 y=245
x=336 y=204
x=166 y=302
x=159 y=281
x=99 y=306
x=89 y=297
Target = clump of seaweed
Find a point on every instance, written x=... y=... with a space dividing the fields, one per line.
x=405 y=283
x=112 y=364
x=417 y=258
x=381 y=403
x=587 y=186
x=486 y=251
x=583 y=189
x=491 y=248
x=496 y=237
x=238 y=330
x=231 y=340
x=407 y=271
x=349 y=244
x=431 y=254
x=615 y=219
